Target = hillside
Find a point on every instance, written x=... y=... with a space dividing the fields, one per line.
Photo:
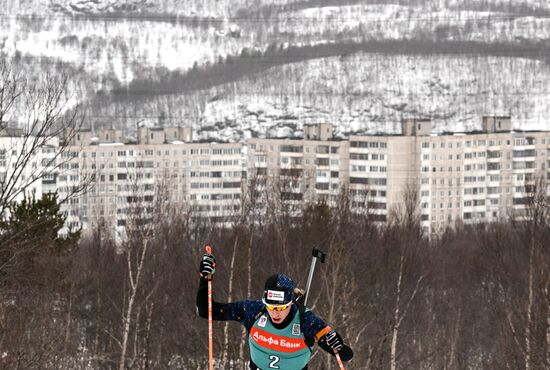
x=221 y=65
x=360 y=93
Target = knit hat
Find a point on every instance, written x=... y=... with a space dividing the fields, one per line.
x=279 y=289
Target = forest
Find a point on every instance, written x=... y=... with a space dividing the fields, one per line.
x=473 y=296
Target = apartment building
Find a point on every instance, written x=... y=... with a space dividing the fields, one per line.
x=298 y=170
x=480 y=176
x=122 y=178
x=23 y=167
x=458 y=177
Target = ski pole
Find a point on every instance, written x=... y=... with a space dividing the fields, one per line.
x=339 y=361
x=318 y=254
x=210 y=342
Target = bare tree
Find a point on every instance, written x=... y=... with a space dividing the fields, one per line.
x=146 y=216
x=31 y=150
x=405 y=225
x=536 y=235
x=519 y=266
x=244 y=230
x=284 y=202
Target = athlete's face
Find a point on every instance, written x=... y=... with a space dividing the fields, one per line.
x=279 y=316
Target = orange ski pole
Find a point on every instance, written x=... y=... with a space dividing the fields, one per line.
x=339 y=361
x=210 y=342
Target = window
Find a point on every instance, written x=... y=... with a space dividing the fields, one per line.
x=493 y=190
x=322 y=161
x=322 y=186
x=359 y=156
x=323 y=149
x=291 y=148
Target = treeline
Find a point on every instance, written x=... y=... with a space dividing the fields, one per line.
x=514 y=8
x=250 y=62
x=474 y=297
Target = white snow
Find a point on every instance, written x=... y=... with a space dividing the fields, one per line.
x=358 y=93
x=454 y=91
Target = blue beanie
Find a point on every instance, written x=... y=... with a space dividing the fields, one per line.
x=279 y=289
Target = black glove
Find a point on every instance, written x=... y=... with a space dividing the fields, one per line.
x=208 y=266
x=334 y=341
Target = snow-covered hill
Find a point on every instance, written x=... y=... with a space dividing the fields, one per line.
x=126 y=45
x=377 y=91
x=360 y=93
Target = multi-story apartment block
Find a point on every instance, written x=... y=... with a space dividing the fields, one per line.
x=121 y=178
x=24 y=169
x=480 y=176
x=299 y=170
x=468 y=177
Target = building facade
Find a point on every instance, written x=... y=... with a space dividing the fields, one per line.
x=27 y=166
x=461 y=177
x=121 y=178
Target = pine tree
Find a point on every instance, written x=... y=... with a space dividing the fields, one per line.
x=32 y=229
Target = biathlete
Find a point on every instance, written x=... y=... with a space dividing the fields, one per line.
x=281 y=332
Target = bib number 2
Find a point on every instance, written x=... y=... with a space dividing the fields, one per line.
x=273 y=364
